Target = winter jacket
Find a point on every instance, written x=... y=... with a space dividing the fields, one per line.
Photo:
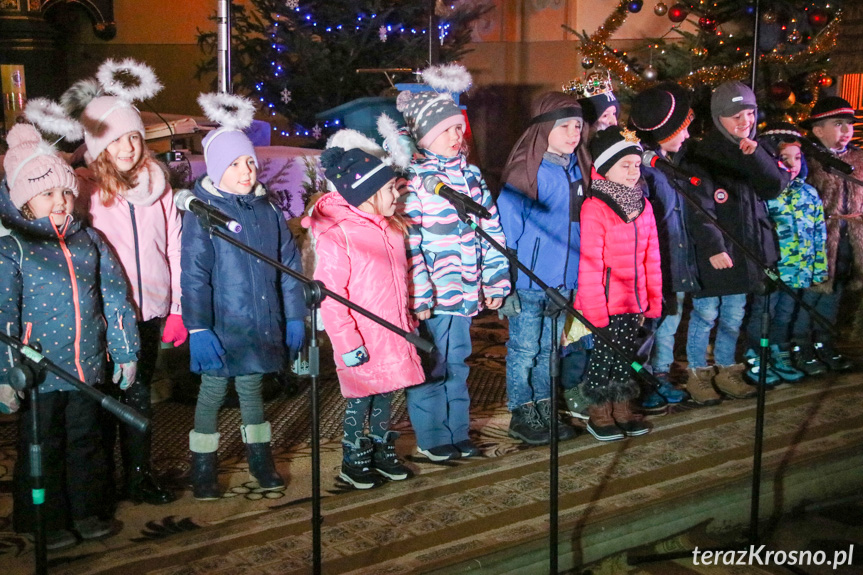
x=679 y=272
x=144 y=228
x=798 y=217
x=451 y=267
x=840 y=198
x=362 y=258
x=241 y=298
x=66 y=291
x=545 y=233
x=619 y=270
x=734 y=190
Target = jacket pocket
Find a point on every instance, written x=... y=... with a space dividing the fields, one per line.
x=607 y=283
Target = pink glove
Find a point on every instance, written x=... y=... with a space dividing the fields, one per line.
x=175 y=331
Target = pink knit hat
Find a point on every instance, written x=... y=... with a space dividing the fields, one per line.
x=33 y=166
x=105 y=119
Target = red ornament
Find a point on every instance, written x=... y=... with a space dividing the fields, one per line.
x=825 y=81
x=818 y=17
x=678 y=13
x=707 y=23
x=780 y=91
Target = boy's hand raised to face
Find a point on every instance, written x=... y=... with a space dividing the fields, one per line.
x=748 y=146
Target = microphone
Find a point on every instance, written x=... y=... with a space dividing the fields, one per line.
x=462 y=202
x=654 y=160
x=186 y=201
x=825 y=158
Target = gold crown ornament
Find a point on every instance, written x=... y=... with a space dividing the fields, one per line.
x=594 y=83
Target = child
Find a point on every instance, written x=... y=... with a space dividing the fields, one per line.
x=619 y=280
x=539 y=209
x=738 y=176
x=799 y=219
x=360 y=249
x=832 y=124
x=65 y=290
x=661 y=117
x=596 y=96
x=453 y=272
x=233 y=304
x=126 y=192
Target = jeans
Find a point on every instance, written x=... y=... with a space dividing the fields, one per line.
x=804 y=329
x=782 y=307
x=663 y=342
x=575 y=361
x=212 y=395
x=528 y=349
x=439 y=409
x=730 y=310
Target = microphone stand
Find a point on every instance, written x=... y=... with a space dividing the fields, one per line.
x=23 y=377
x=558 y=303
x=314 y=292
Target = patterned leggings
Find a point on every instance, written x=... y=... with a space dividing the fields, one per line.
x=608 y=375
x=374 y=407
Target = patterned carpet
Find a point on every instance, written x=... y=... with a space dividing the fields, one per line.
x=449 y=513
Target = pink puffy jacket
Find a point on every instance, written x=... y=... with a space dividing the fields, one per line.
x=145 y=234
x=361 y=257
x=619 y=266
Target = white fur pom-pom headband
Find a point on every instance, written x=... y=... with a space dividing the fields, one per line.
x=228 y=110
x=128 y=80
x=453 y=78
x=50 y=117
x=398 y=144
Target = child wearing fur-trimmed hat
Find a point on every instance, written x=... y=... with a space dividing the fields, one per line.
x=64 y=289
x=234 y=305
x=454 y=273
x=359 y=242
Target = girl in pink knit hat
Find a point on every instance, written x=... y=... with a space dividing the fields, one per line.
x=128 y=198
x=64 y=289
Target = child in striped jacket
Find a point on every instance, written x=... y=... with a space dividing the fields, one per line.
x=453 y=273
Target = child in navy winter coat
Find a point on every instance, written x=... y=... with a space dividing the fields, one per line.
x=235 y=305
x=62 y=287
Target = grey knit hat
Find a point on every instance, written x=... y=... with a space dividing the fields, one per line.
x=729 y=99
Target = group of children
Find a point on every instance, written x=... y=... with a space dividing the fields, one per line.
x=617 y=239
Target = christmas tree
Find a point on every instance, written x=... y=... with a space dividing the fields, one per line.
x=795 y=38
x=299 y=58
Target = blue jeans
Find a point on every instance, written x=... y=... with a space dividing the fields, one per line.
x=804 y=329
x=782 y=308
x=575 y=361
x=730 y=310
x=528 y=349
x=211 y=396
x=440 y=408
x=663 y=339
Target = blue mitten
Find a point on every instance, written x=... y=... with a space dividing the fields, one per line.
x=357 y=357
x=206 y=351
x=295 y=336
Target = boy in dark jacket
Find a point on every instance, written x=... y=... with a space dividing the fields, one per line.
x=539 y=207
x=738 y=176
x=235 y=305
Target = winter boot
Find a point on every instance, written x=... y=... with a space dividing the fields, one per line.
x=601 y=424
x=564 y=430
x=631 y=422
x=753 y=370
x=205 y=465
x=729 y=380
x=576 y=405
x=259 y=453
x=828 y=355
x=780 y=364
x=805 y=360
x=699 y=384
x=357 y=463
x=141 y=484
x=384 y=459
x=668 y=391
x=527 y=425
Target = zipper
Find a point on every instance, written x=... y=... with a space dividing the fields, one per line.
x=137 y=261
x=607 y=283
x=568 y=229
x=74 y=282
x=635 y=263
x=533 y=258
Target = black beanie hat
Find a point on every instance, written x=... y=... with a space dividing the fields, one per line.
x=611 y=144
x=660 y=113
x=830 y=107
x=782 y=132
x=356 y=175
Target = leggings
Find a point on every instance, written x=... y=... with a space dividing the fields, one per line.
x=376 y=408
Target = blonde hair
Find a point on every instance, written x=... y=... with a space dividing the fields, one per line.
x=396 y=220
x=113 y=182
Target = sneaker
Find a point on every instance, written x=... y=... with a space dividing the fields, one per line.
x=654 y=403
x=526 y=425
x=729 y=380
x=467 y=448
x=780 y=364
x=668 y=391
x=699 y=384
x=832 y=358
x=59 y=539
x=92 y=527
x=357 y=463
x=441 y=452
x=564 y=430
x=601 y=424
x=753 y=370
x=384 y=459
x=576 y=405
x=806 y=361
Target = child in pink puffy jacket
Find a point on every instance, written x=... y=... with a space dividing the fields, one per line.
x=619 y=279
x=361 y=256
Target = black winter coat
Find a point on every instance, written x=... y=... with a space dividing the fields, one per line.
x=734 y=190
x=242 y=299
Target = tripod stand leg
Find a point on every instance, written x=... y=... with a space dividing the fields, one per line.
x=764 y=355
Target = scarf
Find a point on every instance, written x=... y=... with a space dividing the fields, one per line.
x=627 y=202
